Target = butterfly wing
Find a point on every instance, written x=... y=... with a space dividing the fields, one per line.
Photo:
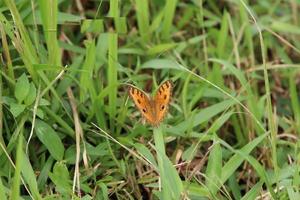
x=143 y=103
x=162 y=99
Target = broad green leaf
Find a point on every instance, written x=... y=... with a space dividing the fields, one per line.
x=44 y=102
x=16 y=109
x=31 y=95
x=61 y=178
x=104 y=191
x=22 y=88
x=146 y=153
x=214 y=168
x=50 y=139
x=170 y=180
x=293 y=193
x=29 y=177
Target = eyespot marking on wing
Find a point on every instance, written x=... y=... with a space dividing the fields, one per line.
x=141 y=94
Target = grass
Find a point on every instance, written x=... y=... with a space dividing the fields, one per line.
x=69 y=131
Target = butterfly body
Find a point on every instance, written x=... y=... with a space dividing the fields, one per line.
x=153 y=109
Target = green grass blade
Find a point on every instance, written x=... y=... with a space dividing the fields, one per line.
x=142 y=10
x=271 y=121
x=49 y=8
x=169 y=12
x=170 y=181
x=201 y=116
x=235 y=161
x=86 y=80
x=29 y=177
x=114 y=8
x=294 y=100
x=254 y=192
x=112 y=76
x=2 y=191
x=15 y=188
x=9 y=68
x=214 y=168
x=23 y=44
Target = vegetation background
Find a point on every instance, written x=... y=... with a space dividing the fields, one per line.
x=68 y=130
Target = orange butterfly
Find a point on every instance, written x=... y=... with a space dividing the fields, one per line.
x=153 y=109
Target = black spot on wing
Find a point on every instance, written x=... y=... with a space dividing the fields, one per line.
x=162 y=107
x=165 y=97
x=168 y=84
x=138 y=100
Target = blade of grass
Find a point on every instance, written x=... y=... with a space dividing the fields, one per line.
x=271 y=121
x=2 y=191
x=29 y=176
x=201 y=116
x=171 y=184
x=9 y=66
x=214 y=167
x=68 y=130
x=216 y=74
x=262 y=173
x=248 y=34
x=48 y=11
x=113 y=8
x=253 y=193
x=239 y=74
x=294 y=99
x=1 y=113
x=15 y=188
x=169 y=11
x=235 y=161
x=142 y=11
x=23 y=44
x=44 y=174
x=112 y=76
x=86 y=79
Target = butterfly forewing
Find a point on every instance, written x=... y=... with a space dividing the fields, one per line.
x=143 y=103
x=161 y=100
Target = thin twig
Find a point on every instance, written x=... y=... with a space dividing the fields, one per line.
x=78 y=133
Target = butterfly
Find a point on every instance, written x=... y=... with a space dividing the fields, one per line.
x=153 y=109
